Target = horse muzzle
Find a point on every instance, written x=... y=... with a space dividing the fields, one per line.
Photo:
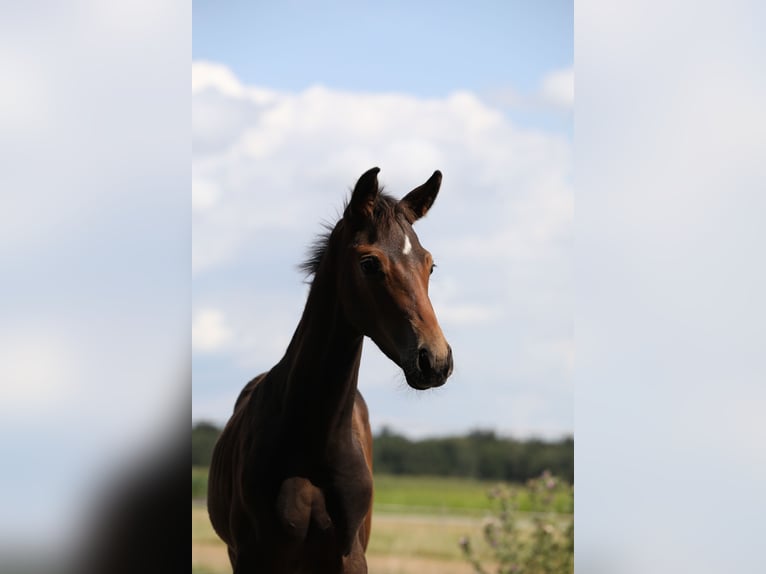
x=429 y=370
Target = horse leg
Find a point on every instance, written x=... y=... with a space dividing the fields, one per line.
x=299 y=504
x=249 y=561
x=355 y=562
x=232 y=555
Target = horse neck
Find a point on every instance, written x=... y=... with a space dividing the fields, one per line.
x=322 y=366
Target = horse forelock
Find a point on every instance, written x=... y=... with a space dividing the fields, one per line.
x=385 y=212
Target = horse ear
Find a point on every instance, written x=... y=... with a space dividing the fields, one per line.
x=417 y=202
x=363 y=197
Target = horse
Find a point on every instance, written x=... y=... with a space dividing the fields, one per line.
x=290 y=483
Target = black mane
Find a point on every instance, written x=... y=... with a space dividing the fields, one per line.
x=317 y=250
x=385 y=210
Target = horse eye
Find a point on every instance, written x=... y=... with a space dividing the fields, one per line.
x=370 y=265
x=432 y=269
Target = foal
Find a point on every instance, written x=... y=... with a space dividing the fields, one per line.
x=290 y=487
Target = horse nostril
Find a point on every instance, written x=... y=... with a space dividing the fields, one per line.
x=424 y=364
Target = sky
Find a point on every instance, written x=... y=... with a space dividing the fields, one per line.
x=291 y=104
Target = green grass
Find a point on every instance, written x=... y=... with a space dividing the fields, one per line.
x=429 y=495
x=404 y=493
x=426 y=495
x=450 y=495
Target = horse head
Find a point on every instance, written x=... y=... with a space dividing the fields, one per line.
x=384 y=276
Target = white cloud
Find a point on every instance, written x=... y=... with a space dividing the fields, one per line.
x=36 y=370
x=466 y=314
x=205 y=194
x=25 y=104
x=209 y=331
x=214 y=77
x=557 y=88
x=269 y=167
x=284 y=161
x=209 y=75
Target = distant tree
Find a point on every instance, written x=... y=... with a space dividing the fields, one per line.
x=204 y=435
x=479 y=454
x=389 y=453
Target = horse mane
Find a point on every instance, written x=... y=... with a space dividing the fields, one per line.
x=385 y=210
x=317 y=250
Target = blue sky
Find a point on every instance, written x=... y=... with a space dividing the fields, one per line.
x=424 y=48
x=292 y=103
x=427 y=49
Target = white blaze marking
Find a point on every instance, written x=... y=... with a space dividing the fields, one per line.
x=407 y=246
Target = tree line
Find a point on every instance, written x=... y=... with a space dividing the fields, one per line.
x=480 y=454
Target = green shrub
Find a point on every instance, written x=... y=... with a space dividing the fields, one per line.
x=544 y=545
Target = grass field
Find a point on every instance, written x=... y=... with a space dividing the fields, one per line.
x=417 y=523
x=424 y=495
x=400 y=544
